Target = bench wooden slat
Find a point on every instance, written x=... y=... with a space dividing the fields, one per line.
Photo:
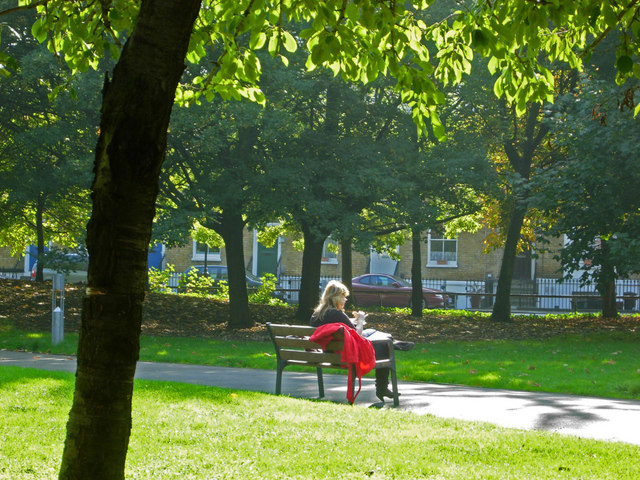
x=315 y=357
x=305 y=343
x=298 y=330
x=295 y=342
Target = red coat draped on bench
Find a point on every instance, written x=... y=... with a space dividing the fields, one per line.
x=356 y=351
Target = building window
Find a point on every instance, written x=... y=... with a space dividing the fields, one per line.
x=199 y=249
x=329 y=249
x=443 y=252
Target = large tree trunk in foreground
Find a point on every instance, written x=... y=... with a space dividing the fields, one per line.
x=135 y=116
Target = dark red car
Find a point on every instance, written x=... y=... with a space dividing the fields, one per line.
x=389 y=291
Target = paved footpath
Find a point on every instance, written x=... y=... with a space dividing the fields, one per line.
x=587 y=417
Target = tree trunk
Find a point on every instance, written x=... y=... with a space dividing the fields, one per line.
x=347 y=269
x=416 y=273
x=310 y=284
x=231 y=229
x=607 y=284
x=205 y=264
x=502 y=306
x=521 y=155
x=609 y=307
x=40 y=238
x=135 y=116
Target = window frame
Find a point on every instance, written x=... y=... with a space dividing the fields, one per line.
x=328 y=257
x=214 y=253
x=443 y=262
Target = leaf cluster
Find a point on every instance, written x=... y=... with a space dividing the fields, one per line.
x=417 y=43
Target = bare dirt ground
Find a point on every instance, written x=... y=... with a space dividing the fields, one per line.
x=27 y=306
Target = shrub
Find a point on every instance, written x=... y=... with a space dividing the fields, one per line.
x=264 y=293
x=159 y=279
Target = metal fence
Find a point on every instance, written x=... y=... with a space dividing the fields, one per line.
x=539 y=295
x=549 y=294
x=542 y=294
x=12 y=274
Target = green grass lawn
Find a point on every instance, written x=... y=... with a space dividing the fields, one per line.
x=606 y=364
x=183 y=431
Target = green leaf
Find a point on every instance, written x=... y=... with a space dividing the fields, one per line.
x=8 y=61
x=39 y=31
x=353 y=12
x=258 y=39
x=307 y=33
x=492 y=66
x=273 y=45
x=289 y=42
x=497 y=88
x=624 y=64
x=436 y=124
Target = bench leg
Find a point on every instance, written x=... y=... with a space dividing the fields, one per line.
x=280 y=367
x=354 y=379
x=394 y=384
x=320 y=382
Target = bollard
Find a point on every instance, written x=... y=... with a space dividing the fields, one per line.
x=57 y=326
x=57 y=307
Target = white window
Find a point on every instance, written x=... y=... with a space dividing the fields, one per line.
x=199 y=249
x=443 y=252
x=329 y=249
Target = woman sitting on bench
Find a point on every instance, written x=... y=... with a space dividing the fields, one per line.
x=331 y=310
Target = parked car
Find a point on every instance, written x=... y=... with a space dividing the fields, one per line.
x=74 y=267
x=389 y=291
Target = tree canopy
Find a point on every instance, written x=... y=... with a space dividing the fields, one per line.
x=45 y=149
x=417 y=43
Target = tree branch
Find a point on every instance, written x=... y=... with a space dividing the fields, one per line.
x=23 y=7
x=603 y=35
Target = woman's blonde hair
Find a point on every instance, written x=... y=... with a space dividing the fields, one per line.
x=333 y=292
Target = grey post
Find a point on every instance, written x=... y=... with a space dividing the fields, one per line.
x=57 y=307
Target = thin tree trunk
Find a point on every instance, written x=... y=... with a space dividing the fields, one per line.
x=609 y=307
x=40 y=238
x=231 y=229
x=416 y=273
x=310 y=283
x=521 y=155
x=502 y=306
x=206 y=260
x=347 y=269
x=135 y=116
x=607 y=288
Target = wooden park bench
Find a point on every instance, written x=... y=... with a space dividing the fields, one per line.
x=293 y=347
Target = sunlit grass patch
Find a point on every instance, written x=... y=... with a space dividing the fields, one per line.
x=183 y=431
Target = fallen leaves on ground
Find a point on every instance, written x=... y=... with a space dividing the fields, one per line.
x=27 y=306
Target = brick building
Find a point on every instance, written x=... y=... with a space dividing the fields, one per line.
x=459 y=259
